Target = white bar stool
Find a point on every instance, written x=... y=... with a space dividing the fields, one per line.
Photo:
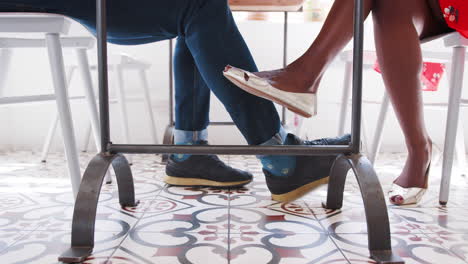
x=52 y=26
x=118 y=64
x=454 y=137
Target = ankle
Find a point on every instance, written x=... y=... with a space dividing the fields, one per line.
x=423 y=147
x=281 y=166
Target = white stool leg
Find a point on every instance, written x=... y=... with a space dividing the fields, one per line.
x=456 y=82
x=375 y=148
x=345 y=97
x=5 y=58
x=460 y=147
x=149 y=108
x=83 y=65
x=123 y=104
x=53 y=126
x=87 y=138
x=365 y=137
x=63 y=105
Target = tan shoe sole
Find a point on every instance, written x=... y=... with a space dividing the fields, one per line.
x=201 y=182
x=299 y=192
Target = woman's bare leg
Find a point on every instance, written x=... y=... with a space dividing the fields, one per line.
x=398 y=27
x=303 y=75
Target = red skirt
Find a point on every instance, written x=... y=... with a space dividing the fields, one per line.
x=456 y=15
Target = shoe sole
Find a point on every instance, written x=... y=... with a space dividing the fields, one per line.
x=268 y=97
x=299 y=192
x=178 y=181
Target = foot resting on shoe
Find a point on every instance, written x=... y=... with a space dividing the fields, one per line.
x=304 y=104
x=204 y=170
x=309 y=173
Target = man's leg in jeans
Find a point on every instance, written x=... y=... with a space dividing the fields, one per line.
x=192 y=103
x=214 y=42
x=192 y=100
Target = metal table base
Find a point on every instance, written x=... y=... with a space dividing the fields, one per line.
x=349 y=158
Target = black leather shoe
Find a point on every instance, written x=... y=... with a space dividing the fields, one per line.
x=204 y=170
x=310 y=171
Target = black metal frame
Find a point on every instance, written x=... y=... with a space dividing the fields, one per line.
x=84 y=216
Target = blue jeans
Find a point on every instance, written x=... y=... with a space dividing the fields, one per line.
x=208 y=40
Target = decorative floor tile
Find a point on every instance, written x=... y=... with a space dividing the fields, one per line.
x=353 y=220
x=284 y=248
x=255 y=194
x=197 y=196
x=171 y=248
x=272 y=220
x=318 y=198
x=436 y=220
x=45 y=247
x=413 y=248
x=167 y=215
x=455 y=243
x=8 y=238
x=207 y=225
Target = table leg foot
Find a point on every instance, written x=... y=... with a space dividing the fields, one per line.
x=385 y=257
x=75 y=254
x=84 y=214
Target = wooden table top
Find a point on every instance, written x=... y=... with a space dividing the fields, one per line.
x=266 y=5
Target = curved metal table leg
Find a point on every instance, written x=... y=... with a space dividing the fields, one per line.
x=378 y=226
x=168 y=139
x=84 y=215
x=337 y=181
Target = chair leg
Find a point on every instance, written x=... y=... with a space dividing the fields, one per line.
x=345 y=97
x=53 y=125
x=149 y=108
x=365 y=136
x=49 y=137
x=63 y=105
x=456 y=83
x=376 y=143
x=460 y=148
x=83 y=65
x=121 y=98
x=5 y=58
x=86 y=139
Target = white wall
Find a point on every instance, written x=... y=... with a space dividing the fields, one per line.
x=25 y=126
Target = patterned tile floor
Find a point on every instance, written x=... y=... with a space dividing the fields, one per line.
x=188 y=225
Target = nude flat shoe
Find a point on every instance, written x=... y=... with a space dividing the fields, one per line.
x=304 y=104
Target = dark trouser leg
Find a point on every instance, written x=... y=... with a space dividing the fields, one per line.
x=192 y=100
x=214 y=41
x=192 y=95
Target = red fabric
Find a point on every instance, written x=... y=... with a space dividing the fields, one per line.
x=430 y=76
x=456 y=15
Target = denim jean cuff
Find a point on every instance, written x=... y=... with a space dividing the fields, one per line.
x=185 y=137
